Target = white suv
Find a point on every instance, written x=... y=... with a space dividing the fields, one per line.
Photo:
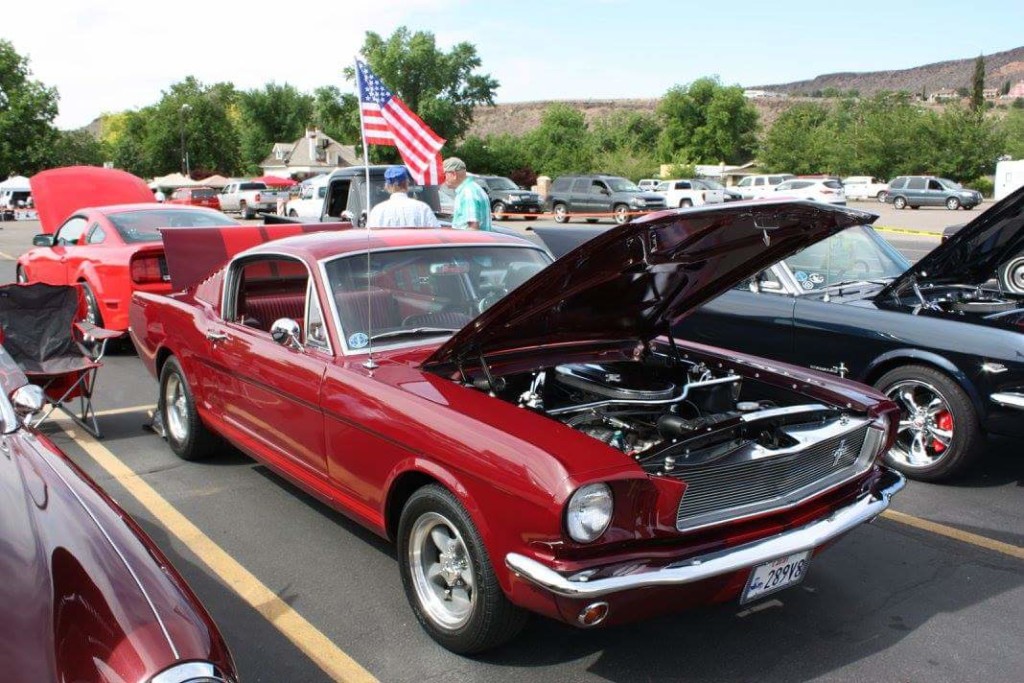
x=827 y=190
x=758 y=186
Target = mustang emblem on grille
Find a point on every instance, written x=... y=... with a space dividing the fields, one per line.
x=837 y=454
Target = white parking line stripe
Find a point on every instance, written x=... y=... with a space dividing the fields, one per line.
x=314 y=644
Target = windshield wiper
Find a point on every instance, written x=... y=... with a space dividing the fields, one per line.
x=414 y=332
x=848 y=283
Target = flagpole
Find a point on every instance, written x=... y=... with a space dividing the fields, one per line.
x=370 y=364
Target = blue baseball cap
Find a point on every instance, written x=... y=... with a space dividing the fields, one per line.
x=396 y=174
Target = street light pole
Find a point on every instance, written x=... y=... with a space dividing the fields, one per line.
x=184 y=153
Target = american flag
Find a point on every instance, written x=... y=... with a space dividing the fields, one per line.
x=387 y=121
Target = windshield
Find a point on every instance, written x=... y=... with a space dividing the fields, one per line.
x=854 y=254
x=204 y=192
x=948 y=184
x=497 y=183
x=423 y=292
x=710 y=184
x=622 y=185
x=144 y=226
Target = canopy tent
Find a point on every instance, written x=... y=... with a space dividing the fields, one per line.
x=275 y=181
x=214 y=181
x=16 y=183
x=173 y=181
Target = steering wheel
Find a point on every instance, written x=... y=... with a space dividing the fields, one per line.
x=492 y=297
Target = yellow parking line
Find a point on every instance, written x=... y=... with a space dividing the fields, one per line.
x=314 y=644
x=7 y=257
x=908 y=231
x=956 y=534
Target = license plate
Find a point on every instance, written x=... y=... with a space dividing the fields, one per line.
x=775 y=575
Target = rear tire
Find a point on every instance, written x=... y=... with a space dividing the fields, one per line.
x=243 y=209
x=1011 y=275
x=186 y=434
x=685 y=203
x=448 y=578
x=293 y=213
x=92 y=308
x=939 y=434
x=881 y=197
x=899 y=203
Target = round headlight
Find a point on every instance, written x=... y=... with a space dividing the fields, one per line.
x=589 y=512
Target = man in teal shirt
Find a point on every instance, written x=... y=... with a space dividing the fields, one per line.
x=472 y=207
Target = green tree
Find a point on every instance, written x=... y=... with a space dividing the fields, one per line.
x=27 y=111
x=441 y=87
x=1013 y=133
x=797 y=142
x=562 y=143
x=978 y=84
x=627 y=130
x=707 y=122
x=337 y=114
x=959 y=143
x=75 y=148
x=275 y=113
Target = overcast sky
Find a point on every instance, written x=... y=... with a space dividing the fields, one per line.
x=114 y=55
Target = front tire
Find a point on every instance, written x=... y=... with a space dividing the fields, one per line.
x=685 y=203
x=293 y=213
x=881 y=196
x=561 y=213
x=20 y=276
x=186 y=434
x=92 y=308
x=1011 y=275
x=448 y=577
x=899 y=203
x=939 y=434
x=952 y=203
x=498 y=210
x=621 y=212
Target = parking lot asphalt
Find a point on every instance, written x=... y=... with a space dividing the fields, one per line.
x=303 y=594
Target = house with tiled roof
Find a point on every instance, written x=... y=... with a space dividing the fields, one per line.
x=312 y=154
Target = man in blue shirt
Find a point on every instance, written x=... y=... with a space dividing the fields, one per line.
x=472 y=209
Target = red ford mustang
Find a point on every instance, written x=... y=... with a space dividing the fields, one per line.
x=113 y=248
x=525 y=431
x=85 y=595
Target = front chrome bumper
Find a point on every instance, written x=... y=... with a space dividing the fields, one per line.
x=694 y=569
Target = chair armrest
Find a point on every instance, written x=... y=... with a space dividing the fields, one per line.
x=95 y=338
x=92 y=332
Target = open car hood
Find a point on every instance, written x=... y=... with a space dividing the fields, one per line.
x=60 y=192
x=972 y=255
x=634 y=281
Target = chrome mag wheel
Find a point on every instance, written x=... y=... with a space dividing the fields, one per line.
x=442 y=571
x=176 y=408
x=926 y=428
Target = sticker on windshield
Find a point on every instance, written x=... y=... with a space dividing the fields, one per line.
x=800 y=276
x=358 y=340
x=807 y=284
x=816 y=278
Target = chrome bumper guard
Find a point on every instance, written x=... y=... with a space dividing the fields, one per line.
x=864 y=509
x=1009 y=399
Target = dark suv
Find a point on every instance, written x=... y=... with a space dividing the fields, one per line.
x=594 y=196
x=508 y=198
x=916 y=191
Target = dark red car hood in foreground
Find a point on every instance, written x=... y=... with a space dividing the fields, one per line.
x=636 y=280
x=973 y=254
x=60 y=192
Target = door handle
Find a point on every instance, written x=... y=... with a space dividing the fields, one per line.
x=215 y=336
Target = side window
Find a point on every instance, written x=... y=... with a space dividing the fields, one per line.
x=597 y=187
x=745 y=182
x=898 y=184
x=759 y=182
x=96 y=235
x=262 y=290
x=775 y=180
x=683 y=185
x=316 y=333
x=935 y=185
x=580 y=185
x=69 y=233
x=915 y=183
x=561 y=184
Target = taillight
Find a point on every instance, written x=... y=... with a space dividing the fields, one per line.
x=147 y=269
x=257 y=197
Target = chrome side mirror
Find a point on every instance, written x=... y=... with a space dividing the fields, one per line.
x=286 y=332
x=28 y=400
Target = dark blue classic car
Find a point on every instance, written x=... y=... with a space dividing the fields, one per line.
x=941 y=338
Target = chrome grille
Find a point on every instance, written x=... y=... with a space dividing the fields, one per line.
x=717 y=491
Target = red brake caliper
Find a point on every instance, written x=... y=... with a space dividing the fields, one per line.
x=943 y=421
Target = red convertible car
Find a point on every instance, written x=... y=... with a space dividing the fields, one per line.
x=111 y=249
x=195 y=196
x=85 y=595
x=525 y=431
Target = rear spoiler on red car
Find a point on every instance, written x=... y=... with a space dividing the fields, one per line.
x=193 y=254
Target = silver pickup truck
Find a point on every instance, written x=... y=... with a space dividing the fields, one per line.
x=250 y=196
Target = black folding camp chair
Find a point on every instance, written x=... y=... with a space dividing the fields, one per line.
x=44 y=330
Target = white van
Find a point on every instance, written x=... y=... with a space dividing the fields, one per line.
x=865 y=187
x=1009 y=176
x=761 y=185
x=310 y=201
